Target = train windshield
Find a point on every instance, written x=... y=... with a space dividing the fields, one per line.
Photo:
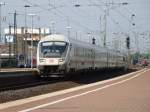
x=53 y=49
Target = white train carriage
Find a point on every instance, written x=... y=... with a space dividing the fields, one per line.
x=57 y=54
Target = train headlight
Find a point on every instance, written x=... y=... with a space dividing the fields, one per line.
x=61 y=59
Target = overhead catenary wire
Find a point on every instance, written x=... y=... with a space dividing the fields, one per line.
x=62 y=15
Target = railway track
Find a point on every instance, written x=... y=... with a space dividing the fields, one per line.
x=31 y=86
x=23 y=82
x=20 y=86
x=14 y=83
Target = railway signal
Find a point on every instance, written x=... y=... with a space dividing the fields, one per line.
x=93 y=41
x=128 y=42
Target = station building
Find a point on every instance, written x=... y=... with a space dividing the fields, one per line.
x=19 y=43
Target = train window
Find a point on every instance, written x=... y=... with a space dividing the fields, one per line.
x=53 y=49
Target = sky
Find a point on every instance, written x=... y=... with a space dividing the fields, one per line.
x=85 y=19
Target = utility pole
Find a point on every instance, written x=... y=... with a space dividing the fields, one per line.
x=32 y=16
x=25 y=40
x=15 y=37
x=32 y=43
x=105 y=28
x=1 y=27
x=1 y=4
x=101 y=30
x=9 y=43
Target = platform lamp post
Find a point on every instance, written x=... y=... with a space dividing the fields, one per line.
x=32 y=17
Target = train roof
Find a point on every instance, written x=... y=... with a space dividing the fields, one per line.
x=59 y=37
x=55 y=37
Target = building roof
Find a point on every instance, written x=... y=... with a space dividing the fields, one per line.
x=29 y=30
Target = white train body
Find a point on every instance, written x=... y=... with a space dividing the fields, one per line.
x=57 y=54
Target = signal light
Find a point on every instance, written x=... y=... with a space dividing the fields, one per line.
x=128 y=42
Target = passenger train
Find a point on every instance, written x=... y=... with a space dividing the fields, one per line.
x=58 y=54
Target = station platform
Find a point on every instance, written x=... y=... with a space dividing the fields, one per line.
x=129 y=93
x=6 y=70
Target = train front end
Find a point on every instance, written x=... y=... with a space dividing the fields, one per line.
x=52 y=55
